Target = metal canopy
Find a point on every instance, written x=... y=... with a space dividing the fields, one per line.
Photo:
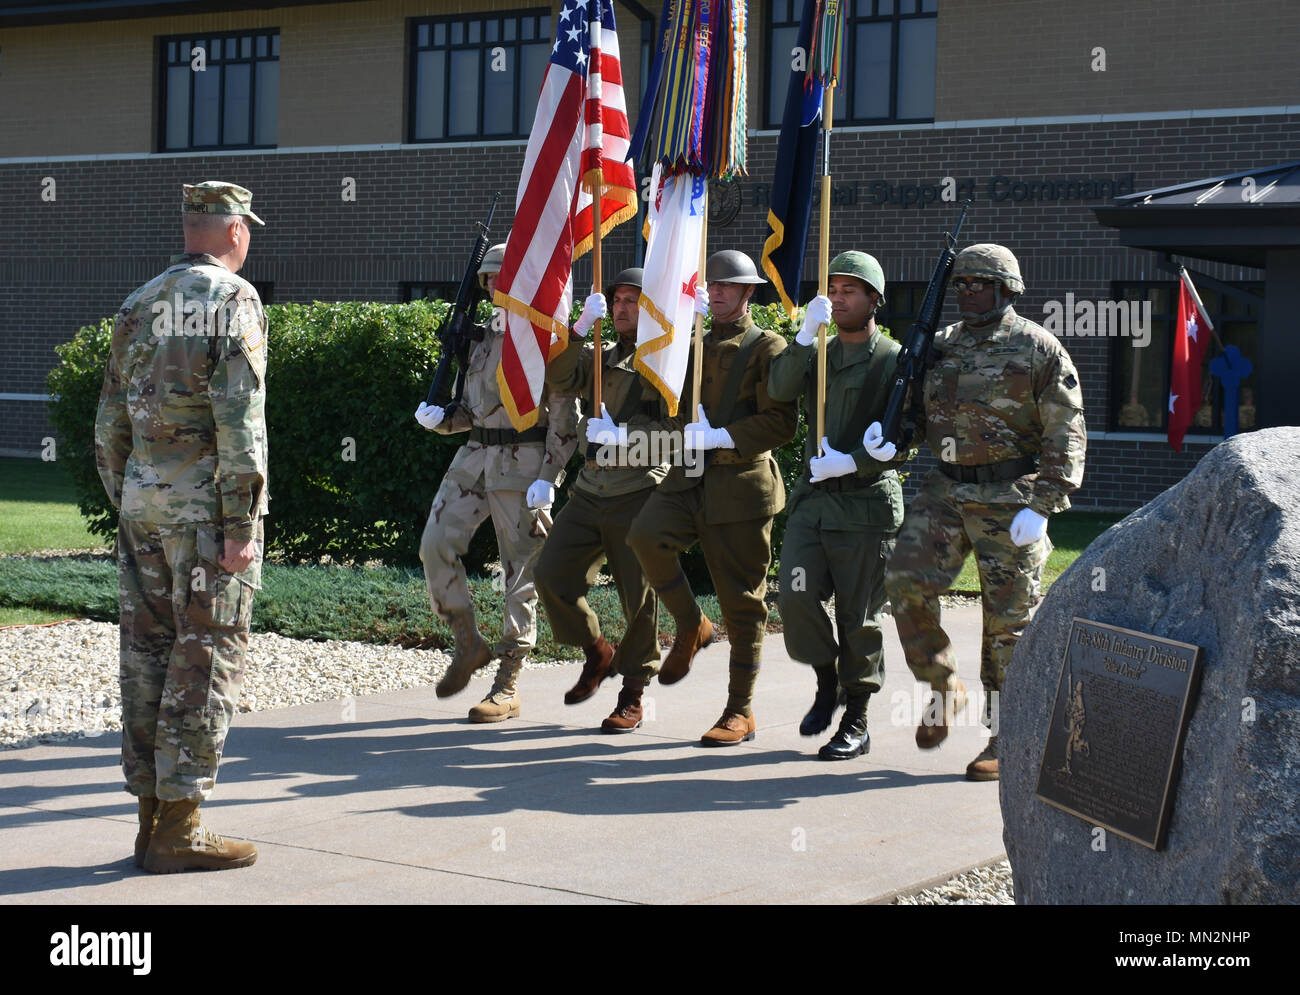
x=1236 y=218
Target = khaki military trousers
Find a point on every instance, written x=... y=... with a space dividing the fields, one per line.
x=184 y=642
x=817 y=564
x=588 y=531
x=737 y=555
x=459 y=508
x=937 y=535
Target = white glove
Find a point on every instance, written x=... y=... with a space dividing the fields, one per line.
x=873 y=441
x=429 y=416
x=701 y=301
x=1027 y=527
x=604 y=432
x=833 y=464
x=593 y=309
x=816 y=314
x=541 y=494
x=701 y=435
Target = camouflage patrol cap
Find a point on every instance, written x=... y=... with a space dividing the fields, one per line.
x=861 y=265
x=218 y=197
x=731 y=266
x=992 y=262
x=630 y=277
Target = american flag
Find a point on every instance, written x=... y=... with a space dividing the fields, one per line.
x=579 y=141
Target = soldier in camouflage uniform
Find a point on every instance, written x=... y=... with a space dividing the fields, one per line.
x=728 y=508
x=846 y=510
x=621 y=472
x=1004 y=414
x=180 y=443
x=511 y=476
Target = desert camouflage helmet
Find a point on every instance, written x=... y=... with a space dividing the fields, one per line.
x=992 y=262
x=731 y=266
x=630 y=277
x=491 y=264
x=860 y=265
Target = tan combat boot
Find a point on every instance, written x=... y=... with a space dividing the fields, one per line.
x=627 y=714
x=181 y=843
x=600 y=655
x=471 y=653
x=935 y=720
x=985 y=766
x=502 y=702
x=148 y=822
x=689 y=641
x=734 y=727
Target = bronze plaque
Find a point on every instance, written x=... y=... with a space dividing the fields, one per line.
x=1114 y=748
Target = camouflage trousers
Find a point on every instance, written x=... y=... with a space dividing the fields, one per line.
x=459 y=508
x=937 y=535
x=184 y=641
x=590 y=530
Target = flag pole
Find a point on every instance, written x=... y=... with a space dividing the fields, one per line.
x=596 y=284
x=698 y=362
x=828 y=105
x=1191 y=289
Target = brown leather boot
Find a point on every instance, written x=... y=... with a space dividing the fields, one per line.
x=471 y=653
x=148 y=814
x=502 y=702
x=181 y=843
x=596 y=669
x=985 y=766
x=627 y=713
x=734 y=727
x=677 y=664
x=946 y=701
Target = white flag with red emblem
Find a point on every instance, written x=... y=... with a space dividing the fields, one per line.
x=1191 y=339
x=672 y=260
x=578 y=143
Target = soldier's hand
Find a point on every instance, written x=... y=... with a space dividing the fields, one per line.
x=701 y=435
x=1027 y=527
x=701 y=302
x=873 y=441
x=603 y=431
x=429 y=416
x=817 y=313
x=592 y=311
x=541 y=494
x=833 y=464
x=238 y=556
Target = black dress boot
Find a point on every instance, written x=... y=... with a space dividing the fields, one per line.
x=851 y=740
x=818 y=719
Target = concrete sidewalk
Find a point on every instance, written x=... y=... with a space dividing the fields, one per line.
x=395 y=798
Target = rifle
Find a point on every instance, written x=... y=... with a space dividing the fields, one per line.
x=457 y=333
x=914 y=359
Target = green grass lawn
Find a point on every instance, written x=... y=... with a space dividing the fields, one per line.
x=38 y=509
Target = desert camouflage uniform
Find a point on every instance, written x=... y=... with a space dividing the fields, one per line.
x=994 y=394
x=489 y=479
x=180 y=442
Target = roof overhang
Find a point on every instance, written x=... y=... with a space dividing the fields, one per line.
x=71 y=11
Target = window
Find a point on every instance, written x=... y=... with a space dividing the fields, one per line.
x=265 y=291
x=440 y=291
x=902 y=306
x=477 y=77
x=219 y=91
x=1140 y=376
x=888 y=60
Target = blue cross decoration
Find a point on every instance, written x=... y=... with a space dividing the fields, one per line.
x=1231 y=367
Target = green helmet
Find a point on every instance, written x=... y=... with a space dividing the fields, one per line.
x=992 y=262
x=860 y=265
x=630 y=277
x=731 y=266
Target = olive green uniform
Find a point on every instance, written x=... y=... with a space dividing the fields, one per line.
x=727 y=508
x=606 y=496
x=840 y=532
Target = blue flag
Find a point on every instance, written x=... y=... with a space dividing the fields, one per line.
x=792 y=183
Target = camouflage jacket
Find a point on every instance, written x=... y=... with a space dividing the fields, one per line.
x=180 y=435
x=850 y=371
x=512 y=467
x=1003 y=392
x=644 y=462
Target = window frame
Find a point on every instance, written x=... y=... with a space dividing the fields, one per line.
x=162 y=88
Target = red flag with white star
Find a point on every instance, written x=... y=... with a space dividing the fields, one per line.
x=1191 y=338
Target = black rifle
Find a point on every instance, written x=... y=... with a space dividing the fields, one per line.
x=458 y=333
x=913 y=360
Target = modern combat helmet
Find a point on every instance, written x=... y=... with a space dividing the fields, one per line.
x=992 y=262
x=492 y=260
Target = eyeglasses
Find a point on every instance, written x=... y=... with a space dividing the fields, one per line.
x=961 y=284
